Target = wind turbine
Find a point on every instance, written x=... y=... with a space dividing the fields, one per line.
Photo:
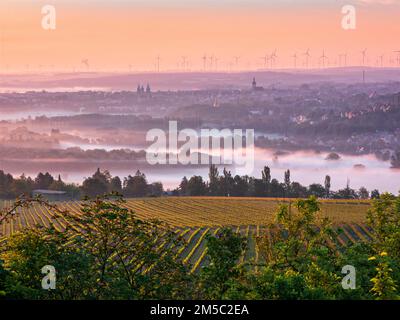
x=272 y=57
x=158 y=63
x=323 y=57
x=237 y=58
x=364 y=53
x=211 y=58
x=85 y=62
x=184 y=60
x=307 y=55
x=381 y=58
x=398 y=57
x=295 y=59
x=204 y=58
x=265 y=58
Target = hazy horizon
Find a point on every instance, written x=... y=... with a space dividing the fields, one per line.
x=130 y=35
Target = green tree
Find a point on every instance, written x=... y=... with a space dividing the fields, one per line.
x=25 y=254
x=375 y=194
x=384 y=286
x=298 y=232
x=115 y=184
x=43 y=181
x=23 y=185
x=224 y=250
x=196 y=186
x=57 y=184
x=297 y=190
x=156 y=189
x=6 y=182
x=241 y=186
x=213 y=177
x=327 y=186
x=266 y=178
x=92 y=187
x=384 y=219
x=287 y=183
x=266 y=175
x=363 y=193
x=317 y=190
x=103 y=176
x=136 y=186
x=96 y=185
x=259 y=188
x=112 y=255
x=277 y=189
x=183 y=187
x=226 y=183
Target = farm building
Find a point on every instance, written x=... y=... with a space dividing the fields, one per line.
x=51 y=195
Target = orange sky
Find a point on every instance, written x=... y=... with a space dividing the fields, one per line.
x=113 y=37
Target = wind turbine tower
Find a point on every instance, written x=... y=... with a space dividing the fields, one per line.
x=265 y=59
x=381 y=59
x=211 y=58
x=158 y=63
x=324 y=58
x=237 y=58
x=398 y=57
x=307 y=55
x=364 y=54
x=204 y=58
x=272 y=57
x=85 y=62
x=184 y=63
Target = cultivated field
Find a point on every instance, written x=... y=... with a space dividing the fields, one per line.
x=198 y=211
x=222 y=211
x=195 y=217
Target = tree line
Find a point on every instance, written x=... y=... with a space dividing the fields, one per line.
x=226 y=184
x=101 y=182
x=218 y=184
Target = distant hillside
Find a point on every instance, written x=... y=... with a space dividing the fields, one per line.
x=192 y=80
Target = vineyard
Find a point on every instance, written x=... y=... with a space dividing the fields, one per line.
x=194 y=218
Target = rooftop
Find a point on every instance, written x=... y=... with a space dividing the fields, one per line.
x=42 y=191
